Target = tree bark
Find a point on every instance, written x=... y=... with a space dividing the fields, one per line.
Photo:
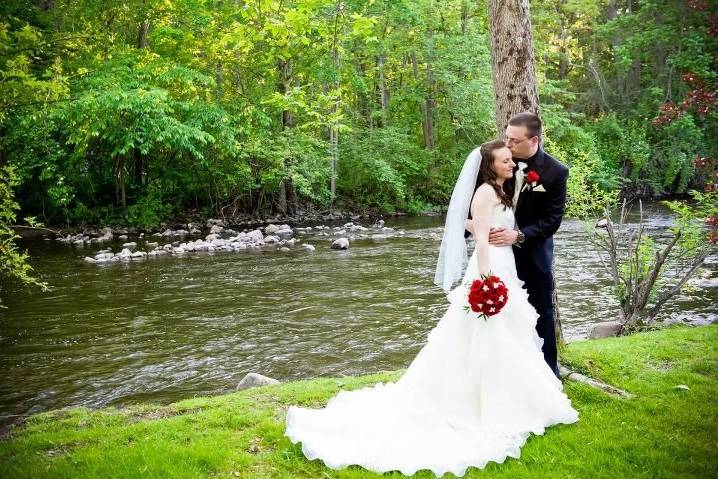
x=333 y=130
x=512 y=59
x=285 y=79
x=142 y=34
x=426 y=126
x=383 y=91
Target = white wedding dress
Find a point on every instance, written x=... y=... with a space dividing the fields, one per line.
x=473 y=394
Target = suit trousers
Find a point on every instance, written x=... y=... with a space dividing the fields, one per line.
x=540 y=289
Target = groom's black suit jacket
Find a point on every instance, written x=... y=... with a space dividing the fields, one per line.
x=539 y=213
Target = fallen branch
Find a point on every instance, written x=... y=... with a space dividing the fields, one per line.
x=607 y=388
x=41 y=228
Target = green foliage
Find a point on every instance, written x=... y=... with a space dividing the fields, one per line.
x=592 y=181
x=214 y=105
x=380 y=168
x=13 y=262
x=675 y=148
x=696 y=220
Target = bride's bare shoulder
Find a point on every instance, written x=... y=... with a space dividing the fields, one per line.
x=484 y=197
x=485 y=193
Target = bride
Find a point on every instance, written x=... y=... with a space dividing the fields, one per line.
x=479 y=386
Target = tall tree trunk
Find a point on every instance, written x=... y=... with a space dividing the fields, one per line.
x=139 y=163
x=142 y=34
x=285 y=80
x=425 y=106
x=282 y=200
x=512 y=59
x=514 y=74
x=286 y=189
x=383 y=91
x=333 y=130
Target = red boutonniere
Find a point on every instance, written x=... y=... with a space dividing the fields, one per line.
x=532 y=177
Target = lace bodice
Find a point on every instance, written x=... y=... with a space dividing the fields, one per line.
x=502 y=216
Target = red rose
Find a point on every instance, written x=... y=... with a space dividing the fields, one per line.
x=487 y=296
x=532 y=176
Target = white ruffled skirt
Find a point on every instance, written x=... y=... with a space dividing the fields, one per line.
x=473 y=394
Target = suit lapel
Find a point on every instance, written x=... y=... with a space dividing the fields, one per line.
x=519 y=184
x=537 y=164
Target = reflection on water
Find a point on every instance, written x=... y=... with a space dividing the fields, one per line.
x=174 y=327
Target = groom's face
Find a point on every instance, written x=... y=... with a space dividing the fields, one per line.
x=519 y=141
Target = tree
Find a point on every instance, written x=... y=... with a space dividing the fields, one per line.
x=512 y=59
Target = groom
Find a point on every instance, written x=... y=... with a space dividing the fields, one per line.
x=539 y=204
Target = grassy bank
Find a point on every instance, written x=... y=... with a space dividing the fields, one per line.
x=665 y=432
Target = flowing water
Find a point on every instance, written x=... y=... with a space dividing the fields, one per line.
x=173 y=327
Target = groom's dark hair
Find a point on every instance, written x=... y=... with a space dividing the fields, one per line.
x=530 y=120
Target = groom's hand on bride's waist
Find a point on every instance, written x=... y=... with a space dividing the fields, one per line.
x=502 y=236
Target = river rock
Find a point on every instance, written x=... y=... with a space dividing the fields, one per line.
x=253 y=380
x=138 y=255
x=308 y=247
x=379 y=224
x=605 y=330
x=254 y=236
x=130 y=245
x=285 y=232
x=341 y=243
x=216 y=229
x=90 y=259
x=211 y=237
x=340 y=232
x=284 y=249
x=602 y=223
x=271 y=229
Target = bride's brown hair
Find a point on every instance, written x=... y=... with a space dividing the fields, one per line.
x=488 y=175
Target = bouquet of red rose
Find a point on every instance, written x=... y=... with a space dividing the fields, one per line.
x=488 y=295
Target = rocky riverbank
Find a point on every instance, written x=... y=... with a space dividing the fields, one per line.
x=217 y=235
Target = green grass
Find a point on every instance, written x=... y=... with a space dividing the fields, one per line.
x=664 y=432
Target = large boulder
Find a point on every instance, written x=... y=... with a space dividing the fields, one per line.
x=254 y=236
x=285 y=233
x=271 y=229
x=341 y=243
x=605 y=330
x=253 y=380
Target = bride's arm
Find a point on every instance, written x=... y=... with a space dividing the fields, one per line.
x=481 y=205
